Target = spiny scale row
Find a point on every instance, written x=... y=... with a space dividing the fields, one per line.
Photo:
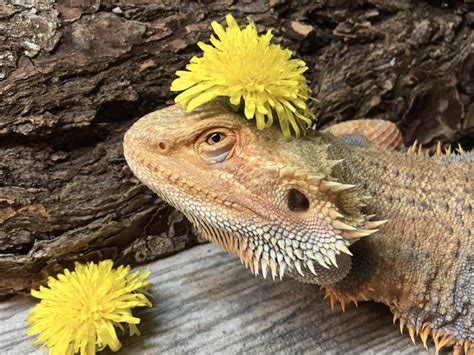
x=350 y=232
x=335 y=296
x=257 y=254
x=417 y=150
x=287 y=251
x=440 y=338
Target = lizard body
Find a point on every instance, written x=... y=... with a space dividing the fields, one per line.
x=364 y=221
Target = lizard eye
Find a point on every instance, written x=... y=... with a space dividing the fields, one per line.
x=215 y=137
x=215 y=146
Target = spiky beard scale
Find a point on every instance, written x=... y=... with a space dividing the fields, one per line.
x=262 y=256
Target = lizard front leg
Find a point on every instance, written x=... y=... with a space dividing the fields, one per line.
x=379 y=132
x=441 y=311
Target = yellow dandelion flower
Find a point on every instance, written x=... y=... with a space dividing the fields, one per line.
x=240 y=64
x=80 y=310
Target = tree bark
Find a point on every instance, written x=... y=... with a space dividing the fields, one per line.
x=74 y=78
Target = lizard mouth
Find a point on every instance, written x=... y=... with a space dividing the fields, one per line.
x=286 y=233
x=265 y=247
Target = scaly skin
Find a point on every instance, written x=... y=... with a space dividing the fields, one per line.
x=366 y=222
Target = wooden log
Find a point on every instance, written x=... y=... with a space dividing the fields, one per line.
x=73 y=79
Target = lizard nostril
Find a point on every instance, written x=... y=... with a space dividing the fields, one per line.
x=162 y=146
x=297 y=201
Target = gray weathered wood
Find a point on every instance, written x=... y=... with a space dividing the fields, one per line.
x=206 y=302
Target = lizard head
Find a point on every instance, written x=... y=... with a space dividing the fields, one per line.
x=272 y=202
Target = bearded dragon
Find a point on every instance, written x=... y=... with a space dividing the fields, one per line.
x=363 y=221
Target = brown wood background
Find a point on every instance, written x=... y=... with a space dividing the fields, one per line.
x=74 y=75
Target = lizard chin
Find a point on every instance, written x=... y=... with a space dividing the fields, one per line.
x=273 y=250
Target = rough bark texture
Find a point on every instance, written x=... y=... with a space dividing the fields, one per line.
x=73 y=79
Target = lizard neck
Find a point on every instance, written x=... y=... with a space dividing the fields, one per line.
x=425 y=248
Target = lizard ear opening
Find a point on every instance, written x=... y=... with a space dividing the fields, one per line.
x=297 y=201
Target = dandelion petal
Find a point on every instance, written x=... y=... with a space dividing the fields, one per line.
x=239 y=63
x=80 y=310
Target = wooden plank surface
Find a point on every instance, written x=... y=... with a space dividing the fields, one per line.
x=207 y=303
